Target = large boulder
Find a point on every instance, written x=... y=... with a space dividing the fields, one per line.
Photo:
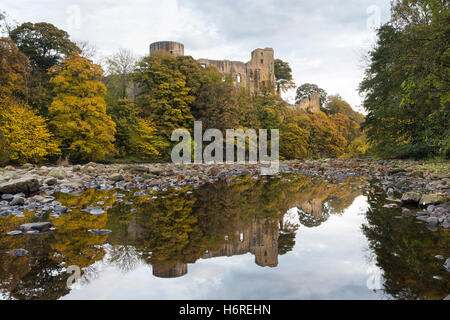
x=25 y=185
x=411 y=197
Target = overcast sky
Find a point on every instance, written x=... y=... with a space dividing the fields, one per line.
x=323 y=40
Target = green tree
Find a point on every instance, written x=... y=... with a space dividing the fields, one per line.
x=43 y=43
x=305 y=91
x=78 y=111
x=406 y=85
x=283 y=76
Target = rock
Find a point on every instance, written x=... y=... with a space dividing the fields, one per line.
x=7 y=196
x=17 y=201
x=407 y=212
x=411 y=197
x=36 y=226
x=76 y=168
x=60 y=209
x=14 y=233
x=439 y=257
x=447 y=264
x=51 y=181
x=27 y=166
x=96 y=211
x=390 y=192
x=143 y=169
x=18 y=252
x=57 y=173
x=432 y=199
x=432 y=221
x=25 y=185
x=100 y=232
x=116 y=177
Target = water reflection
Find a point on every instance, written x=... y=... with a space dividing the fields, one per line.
x=172 y=230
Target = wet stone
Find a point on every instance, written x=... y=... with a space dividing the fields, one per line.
x=97 y=211
x=36 y=226
x=14 y=233
x=17 y=201
x=7 y=196
x=100 y=232
x=18 y=252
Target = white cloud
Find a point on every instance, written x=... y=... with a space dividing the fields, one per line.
x=322 y=40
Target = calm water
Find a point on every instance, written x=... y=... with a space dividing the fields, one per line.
x=286 y=237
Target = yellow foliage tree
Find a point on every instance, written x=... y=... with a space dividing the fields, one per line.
x=148 y=144
x=78 y=111
x=26 y=133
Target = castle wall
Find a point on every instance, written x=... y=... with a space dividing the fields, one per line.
x=174 y=48
x=311 y=104
x=256 y=75
x=260 y=239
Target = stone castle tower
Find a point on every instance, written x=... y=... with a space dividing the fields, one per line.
x=256 y=75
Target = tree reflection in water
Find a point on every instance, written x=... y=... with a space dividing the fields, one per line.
x=405 y=250
x=169 y=230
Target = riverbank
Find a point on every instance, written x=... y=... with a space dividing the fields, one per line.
x=422 y=187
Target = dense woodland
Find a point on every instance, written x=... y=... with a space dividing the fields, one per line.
x=56 y=103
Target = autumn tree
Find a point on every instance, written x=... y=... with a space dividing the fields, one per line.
x=293 y=141
x=45 y=46
x=164 y=97
x=149 y=145
x=4 y=150
x=78 y=111
x=26 y=134
x=13 y=71
x=283 y=76
x=217 y=106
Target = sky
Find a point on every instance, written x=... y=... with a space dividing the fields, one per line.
x=324 y=41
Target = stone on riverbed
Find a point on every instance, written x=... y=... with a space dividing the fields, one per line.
x=116 y=177
x=407 y=212
x=51 y=181
x=36 y=226
x=57 y=173
x=25 y=185
x=17 y=201
x=14 y=233
x=447 y=264
x=100 y=232
x=18 y=252
x=432 y=199
x=411 y=197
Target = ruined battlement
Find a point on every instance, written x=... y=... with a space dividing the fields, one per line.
x=256 y=75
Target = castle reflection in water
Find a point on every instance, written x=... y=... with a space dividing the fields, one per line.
x=168 y=230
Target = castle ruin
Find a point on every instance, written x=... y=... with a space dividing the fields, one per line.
x=256 y=75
